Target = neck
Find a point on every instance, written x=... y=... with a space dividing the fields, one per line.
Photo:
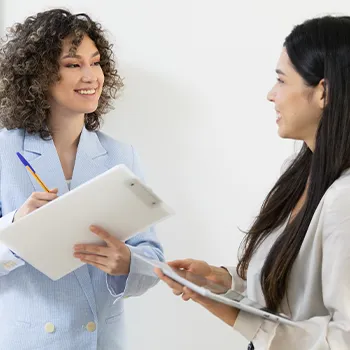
x=66 y=131
x=311 y=145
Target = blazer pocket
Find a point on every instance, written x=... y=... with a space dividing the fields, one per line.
x=23 y=324
x=117 y=313
x=114 y=318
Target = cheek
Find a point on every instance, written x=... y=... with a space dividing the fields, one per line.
x=289 y=103
x=101 y=78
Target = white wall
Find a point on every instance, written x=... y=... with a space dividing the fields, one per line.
x=196 y=73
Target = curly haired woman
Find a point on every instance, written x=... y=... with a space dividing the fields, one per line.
x=58 y=78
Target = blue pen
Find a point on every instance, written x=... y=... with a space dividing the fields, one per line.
x=32 y=171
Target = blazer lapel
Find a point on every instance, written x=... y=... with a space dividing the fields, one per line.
x=43 y=157
x=90 y=161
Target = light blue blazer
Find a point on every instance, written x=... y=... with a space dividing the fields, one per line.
x=83 y=310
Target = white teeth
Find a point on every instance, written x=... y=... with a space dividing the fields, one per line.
x=86 y=92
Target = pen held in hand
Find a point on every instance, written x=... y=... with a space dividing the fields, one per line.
x=32 y=171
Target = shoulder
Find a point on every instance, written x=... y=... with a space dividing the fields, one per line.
x=288 y=162
x=11 y=135
x=336 y=203
x=338 y=193
x=10 y=139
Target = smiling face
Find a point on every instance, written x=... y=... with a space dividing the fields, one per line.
x=81 y=80
x=298 y=106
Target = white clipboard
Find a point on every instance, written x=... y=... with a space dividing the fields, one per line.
x=116 y=200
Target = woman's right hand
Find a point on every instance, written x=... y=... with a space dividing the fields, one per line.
x=218 y=275
x=35 y=201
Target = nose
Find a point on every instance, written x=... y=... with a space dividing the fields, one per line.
x=88 y=75
x=271 y=95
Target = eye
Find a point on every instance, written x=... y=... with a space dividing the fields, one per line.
x=73 y=65
x=96 y=63
x=280 y=80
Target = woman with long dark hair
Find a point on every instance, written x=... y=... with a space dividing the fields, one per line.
x=295 y=258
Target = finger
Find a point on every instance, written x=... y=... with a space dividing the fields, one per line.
x=109 y=239
x=36 y=203
x=172 y=284
x=159 y=272
x=166 y=279
x=181 y=264
x=190 y=294
x=186 y=296
x=177 y=292
x=92 y=249
x=55 y=190
x=92 y=259
x=99 y=266
x=47 y=196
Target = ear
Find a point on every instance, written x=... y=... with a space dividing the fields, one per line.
x=321 y=93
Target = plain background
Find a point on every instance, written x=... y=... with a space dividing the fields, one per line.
x=197 y=73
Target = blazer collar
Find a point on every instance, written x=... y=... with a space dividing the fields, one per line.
x=89 y=143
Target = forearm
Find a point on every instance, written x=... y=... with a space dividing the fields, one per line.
x=8 y=260
x=227 y=314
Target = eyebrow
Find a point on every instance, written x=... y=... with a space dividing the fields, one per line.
x=278 y=71
x=78 y=56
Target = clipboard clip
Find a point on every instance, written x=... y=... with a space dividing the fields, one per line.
x=143 y=192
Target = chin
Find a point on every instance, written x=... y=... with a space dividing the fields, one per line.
x=88 y=110
x=284 y=135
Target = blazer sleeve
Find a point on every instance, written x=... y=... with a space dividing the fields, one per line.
x=8 y=260
x=141 y=277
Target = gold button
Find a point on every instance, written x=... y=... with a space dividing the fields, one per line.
x=91 y=327
x=49 y=327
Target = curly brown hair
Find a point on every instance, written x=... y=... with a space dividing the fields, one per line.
x=29 y=65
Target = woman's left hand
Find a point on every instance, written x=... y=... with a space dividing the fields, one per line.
x=113 y=258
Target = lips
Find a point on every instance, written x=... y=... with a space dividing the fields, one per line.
x=278 y=116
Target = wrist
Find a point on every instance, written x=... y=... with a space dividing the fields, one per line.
x=221 y=276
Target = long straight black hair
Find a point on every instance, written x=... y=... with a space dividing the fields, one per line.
x=318 y=49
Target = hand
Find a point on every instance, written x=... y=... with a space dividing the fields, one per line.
x=226 y=313
x=215 y=274
x=35 y=201
x=113 y=257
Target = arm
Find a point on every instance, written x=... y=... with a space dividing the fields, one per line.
x=8 y=260
x=237 y=283
x=331 y=332
x=140 y=277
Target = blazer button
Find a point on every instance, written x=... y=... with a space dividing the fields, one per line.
x=91 y=327
x=49 y=327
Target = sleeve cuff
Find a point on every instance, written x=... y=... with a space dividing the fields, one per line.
x=256 y=329
x=238 y=284
x=8 y=260
x=133 y=283
x=247 y=324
